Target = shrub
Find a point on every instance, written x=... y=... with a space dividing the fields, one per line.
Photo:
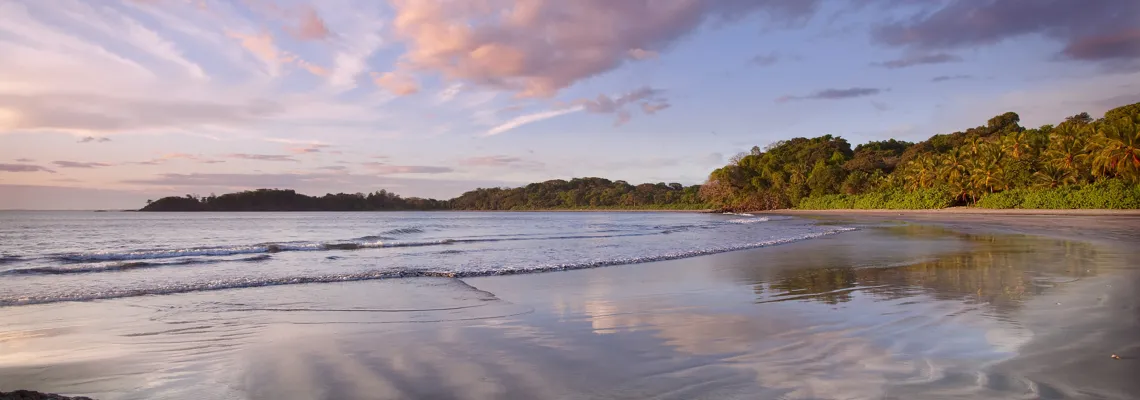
x=893 y=199
x=1108 y=194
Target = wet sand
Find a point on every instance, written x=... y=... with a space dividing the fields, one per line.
x=907 y=307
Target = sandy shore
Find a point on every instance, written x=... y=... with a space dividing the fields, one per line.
x=957 y=211
x=938 y=306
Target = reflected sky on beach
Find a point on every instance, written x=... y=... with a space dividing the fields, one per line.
x=893 y=312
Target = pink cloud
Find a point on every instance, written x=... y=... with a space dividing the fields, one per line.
x=78 y=164
x=538 y=47
x=309 y=148
x=177 y=156
x=397 y=83
x=23 y=168
x=650 y=98
x=639 y=54
x=264 y=157
x=312 y=27
x=499 y=161
x=262 y=46
x=385 y=169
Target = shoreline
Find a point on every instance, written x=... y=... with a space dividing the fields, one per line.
x=848 y=316
x=954 y=211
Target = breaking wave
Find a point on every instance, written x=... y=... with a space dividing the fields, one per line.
x=125 y=266
x=357 y=244
x=403 y=231
x=747 y=220
x=237 y=250
x=235 y=283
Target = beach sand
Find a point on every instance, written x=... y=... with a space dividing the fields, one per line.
x=908 y=306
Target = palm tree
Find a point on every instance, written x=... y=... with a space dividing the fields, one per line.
x=1051 y=176
x=987 y=170
x=1067 y=149
x=952 y=165
x=1116 y=149
x=975 y=144
x=953 y=169
x=1015 y=143
x=921 y=172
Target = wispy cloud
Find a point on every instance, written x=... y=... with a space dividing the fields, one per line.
x=651 y=99
x=833 y=94
x=500 y=161
x=309 y=148
x=521 y=120
x=399 y=84
x=919 y=59
x=178 y=156
x=311 y=26
x=642 y=54
x=89 y=139
x=263 y=157
x=944 y=78
x=764 y=60
x=23 y=168
x=386 y=169
x=1101 y=27
x=79 y=164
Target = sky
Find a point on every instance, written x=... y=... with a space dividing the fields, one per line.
x=108 y=103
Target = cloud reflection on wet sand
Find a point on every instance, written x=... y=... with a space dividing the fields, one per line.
x=899 y=312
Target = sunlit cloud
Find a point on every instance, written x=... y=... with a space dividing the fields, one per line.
x=23 y=168
x=79 y=164
x=521 y=120
x=263 y=157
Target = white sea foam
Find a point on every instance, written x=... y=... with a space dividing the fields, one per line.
x=233 y=283
x=238 y=250
x=747 y=220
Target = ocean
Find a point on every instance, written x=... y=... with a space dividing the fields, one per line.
x=456 y=305
x=48 y=256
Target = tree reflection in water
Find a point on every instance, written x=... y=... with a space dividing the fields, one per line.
x=999 y=270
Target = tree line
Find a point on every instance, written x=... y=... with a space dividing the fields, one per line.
x=1000 y=164
x=289 y=200
x=1080 y=162
x=577 y=193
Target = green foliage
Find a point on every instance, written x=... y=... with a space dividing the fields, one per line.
x=289 y=200
x=998 y=163
x=896 y=199
x=583 y=193
x=1108 y=194
x=780 y=176
x=576 y=194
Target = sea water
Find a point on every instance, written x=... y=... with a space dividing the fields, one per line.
x=56 y=256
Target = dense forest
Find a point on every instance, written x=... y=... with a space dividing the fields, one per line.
x=288 y=200
x=582 y=193
x=1078 y=163
x=578 y=193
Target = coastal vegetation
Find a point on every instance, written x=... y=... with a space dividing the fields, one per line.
x=1077 y=163
x=583 y=193
x=575 y=194
x=289 y=200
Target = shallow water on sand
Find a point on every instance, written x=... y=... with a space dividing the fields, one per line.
x=883 y=312
x=60 y=256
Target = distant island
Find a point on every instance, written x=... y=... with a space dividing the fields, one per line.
x=1078 y=163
